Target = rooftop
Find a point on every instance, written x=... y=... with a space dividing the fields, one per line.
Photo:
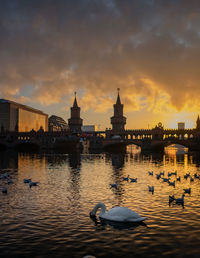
x=22 y=106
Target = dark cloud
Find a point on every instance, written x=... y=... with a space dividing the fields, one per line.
x=150 y=49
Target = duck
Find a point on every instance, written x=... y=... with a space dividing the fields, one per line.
x=171 y=183
x=151 y=189
x=188 y=190
x=113 y=185
x=165 y=179
x=191 y=179
x=186 y=175
x=5 y=176
x=9 y=181
x=162 y=173
x=180 y=200
x=126 y=178
x=117 y=214
x=4 y=190
x=171 y=198
x=150 y=173
x=133 y=180
x=174 y=173
x=33 y=184
x=27 y=181
x=178 y=179
x=158 y=176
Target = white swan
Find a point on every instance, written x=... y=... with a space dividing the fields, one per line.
x=118 y=214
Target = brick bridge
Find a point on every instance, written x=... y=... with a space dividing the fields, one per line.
x=39 y=140
x=149 y=139
x=156 y=138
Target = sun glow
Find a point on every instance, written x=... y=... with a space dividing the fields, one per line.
x=188 y=118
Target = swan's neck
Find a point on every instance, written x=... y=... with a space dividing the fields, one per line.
x=101 y=206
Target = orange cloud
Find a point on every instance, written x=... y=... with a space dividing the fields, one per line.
x=149 y=51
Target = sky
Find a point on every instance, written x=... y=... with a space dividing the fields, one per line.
x=150 y=49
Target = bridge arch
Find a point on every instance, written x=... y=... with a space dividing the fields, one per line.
x=27 y=146
x=171 y=143
x=2 y=147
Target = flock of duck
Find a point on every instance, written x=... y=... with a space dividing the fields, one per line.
x=6 y=178
x=122 y=214
x=167 y=179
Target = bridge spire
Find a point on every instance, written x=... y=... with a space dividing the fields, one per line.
x=118 y=102
x=198 y=123
x=75 y=101
x=75 y=122
x=118 y=121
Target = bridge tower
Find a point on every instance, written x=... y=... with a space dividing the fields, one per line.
x=118 y=121
x=75 y=122
x=198 y=123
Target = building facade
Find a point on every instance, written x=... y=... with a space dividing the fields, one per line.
x=57 y=124
x=198 y=123
x=75 y=122
x=89 y=128
x=181 y=126
x=118 y=121
x=21 y=118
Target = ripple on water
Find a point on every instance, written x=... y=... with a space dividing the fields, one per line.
x=52 y=220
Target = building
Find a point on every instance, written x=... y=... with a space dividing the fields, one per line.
x=198 y=123
x=21 y=118
x=181 y=126
x=118 y=121
x=57 y=123
x=88 y=128
x=75 y=122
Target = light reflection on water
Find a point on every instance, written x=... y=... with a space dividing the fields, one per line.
x=52 y=219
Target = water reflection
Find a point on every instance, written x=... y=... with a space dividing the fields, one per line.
x=75 y=160
x=55 y=215
x=9 y=159
x=176 y=149
x=117 y=225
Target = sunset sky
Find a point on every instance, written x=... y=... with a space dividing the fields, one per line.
x=149 y=49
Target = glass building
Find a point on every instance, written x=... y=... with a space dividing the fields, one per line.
x=21 y=118
x=57 y=123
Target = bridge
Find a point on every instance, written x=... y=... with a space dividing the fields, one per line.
x=148 y=139
x=33 y=141
x=152 y=139
x=144 y=144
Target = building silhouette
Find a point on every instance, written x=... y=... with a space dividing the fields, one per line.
x=57 y=123
x=118 y=121
x=198 y=123
x=75 y=122
x=15 y=117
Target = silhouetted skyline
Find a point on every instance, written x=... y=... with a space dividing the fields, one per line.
x=148 y=49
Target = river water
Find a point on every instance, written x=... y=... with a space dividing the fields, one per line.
x=52 y=219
